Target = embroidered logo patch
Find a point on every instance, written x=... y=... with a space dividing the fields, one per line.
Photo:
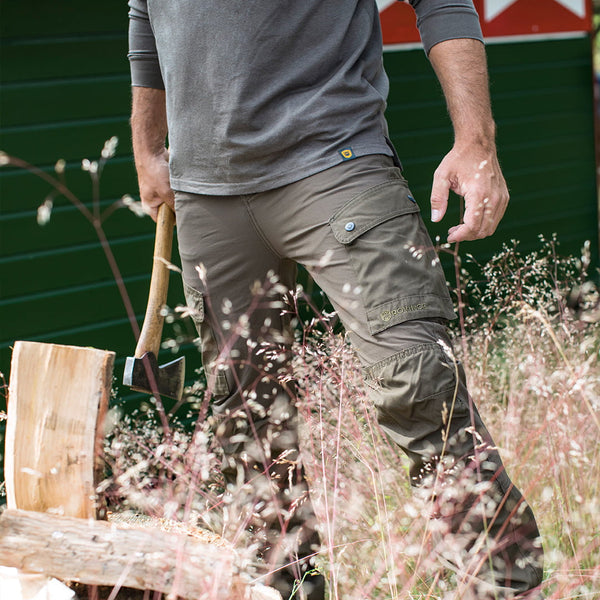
x=387 y=315
x=347 y=153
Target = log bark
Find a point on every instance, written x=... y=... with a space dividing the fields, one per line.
x=100 y=553
x=57 y=402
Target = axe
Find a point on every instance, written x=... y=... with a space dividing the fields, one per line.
x=142 y=372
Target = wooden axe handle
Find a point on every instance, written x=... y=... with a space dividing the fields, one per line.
x=151 y=334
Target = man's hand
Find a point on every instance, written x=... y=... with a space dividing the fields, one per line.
x=149 y=130
x=474 y=173
x=471 y=168
x=153 y=182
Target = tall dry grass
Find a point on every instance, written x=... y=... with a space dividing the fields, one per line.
x=529 y=338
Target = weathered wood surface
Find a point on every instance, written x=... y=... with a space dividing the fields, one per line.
x=100 y=553
x=57 y=401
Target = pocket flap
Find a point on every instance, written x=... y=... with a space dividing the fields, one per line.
x=195 y=303
x=370 y=208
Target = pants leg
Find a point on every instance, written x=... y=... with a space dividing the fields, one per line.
x=358 y=231
x=235 y=286
x=485 y=530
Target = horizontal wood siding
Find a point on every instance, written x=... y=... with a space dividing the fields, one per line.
x=65 y=91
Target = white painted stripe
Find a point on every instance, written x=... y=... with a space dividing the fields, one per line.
x=395 y=47
x=575 y=6
x=501 y=39
x=493 y=8
x=535 y=37
x=383 y=4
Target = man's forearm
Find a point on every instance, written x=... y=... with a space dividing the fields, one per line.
x=148 y=122
x=471 y=168
x=148 y=132
x=461 y=68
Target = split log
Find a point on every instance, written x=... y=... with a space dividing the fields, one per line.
x=56 y=406
x=100 y=553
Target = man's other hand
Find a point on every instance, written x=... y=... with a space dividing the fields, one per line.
x=474 y=173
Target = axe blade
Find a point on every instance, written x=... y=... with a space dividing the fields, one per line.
x=144 y=375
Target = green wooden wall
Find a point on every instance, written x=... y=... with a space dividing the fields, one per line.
x=65 y=90
x=543 y=105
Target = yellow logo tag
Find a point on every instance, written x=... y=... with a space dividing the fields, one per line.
x=347 y=153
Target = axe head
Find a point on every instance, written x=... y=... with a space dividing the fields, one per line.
x=144 y=375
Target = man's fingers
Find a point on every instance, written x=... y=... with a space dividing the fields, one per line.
x=151 y=206
x=461 y=233
x=475 y=175
x=153 y=182
x=154 y=194
x=439 y=196
x=480 y=220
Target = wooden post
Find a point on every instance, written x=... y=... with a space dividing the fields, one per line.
x=101 y=553
x=58 y=396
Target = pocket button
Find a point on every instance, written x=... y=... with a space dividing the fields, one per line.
x=350 y=226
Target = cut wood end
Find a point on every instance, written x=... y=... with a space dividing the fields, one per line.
x=57 y=400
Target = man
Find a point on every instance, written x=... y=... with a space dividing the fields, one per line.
x=278 y=155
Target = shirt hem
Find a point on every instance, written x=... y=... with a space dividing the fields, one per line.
x=266 y=184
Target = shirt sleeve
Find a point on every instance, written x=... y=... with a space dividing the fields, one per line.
x=142 y=55
x=441 y=20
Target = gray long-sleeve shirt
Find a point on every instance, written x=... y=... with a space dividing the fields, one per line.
x=261 y=93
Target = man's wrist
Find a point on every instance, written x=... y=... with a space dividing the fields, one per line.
x=483 y=137
x=149 y=154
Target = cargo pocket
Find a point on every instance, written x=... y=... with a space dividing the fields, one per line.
x=215 y=376
x=396 y=265
x=421 y=401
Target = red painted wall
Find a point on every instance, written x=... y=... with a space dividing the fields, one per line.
x=498 y=18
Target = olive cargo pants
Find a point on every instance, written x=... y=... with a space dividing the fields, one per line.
x=358 y=231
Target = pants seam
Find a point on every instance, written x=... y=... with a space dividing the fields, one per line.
x=258 y=230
